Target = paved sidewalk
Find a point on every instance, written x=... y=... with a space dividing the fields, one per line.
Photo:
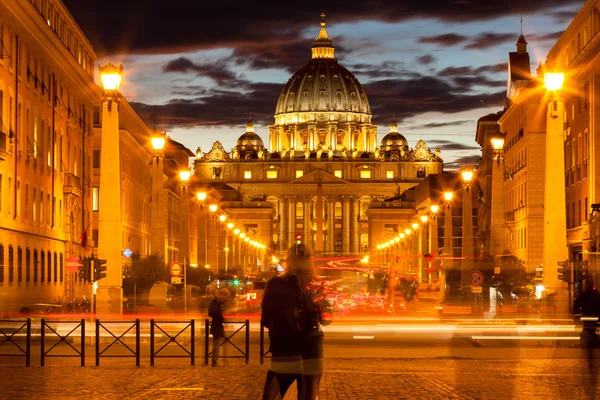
x=344 y=379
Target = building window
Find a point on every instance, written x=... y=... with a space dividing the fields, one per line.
x=62 y=271
x=338 y=173
x=420 y=172
x=96 y=117
x=271 y=174
x=19 y=264
x=27 y=265
x=586 y=211
x=299 y=173
x=365 y=174
x=247 y=174
x=1 y=263
x=11 y=264
x=299 y=210
x=49 y=265
x=338 y=210
x=35 y=266
x=95 y=199
x=42 y=264
x=217 y=171
x=96 y=159
x=95 y=237
x=389 y=174
x=55 y=267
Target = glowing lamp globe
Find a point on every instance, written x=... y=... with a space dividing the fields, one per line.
x=212 y=208
x=201 y=196
x=158 y=142
x=110 y=76
x=554 y=80
x=498 y=143
x=184 y=175
x=434 y=208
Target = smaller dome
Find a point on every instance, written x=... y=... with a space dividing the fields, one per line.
x=250 y=140
x=393 y=140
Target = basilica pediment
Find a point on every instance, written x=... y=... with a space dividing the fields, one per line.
x=319 y=176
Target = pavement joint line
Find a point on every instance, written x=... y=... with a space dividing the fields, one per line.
x=181 y=389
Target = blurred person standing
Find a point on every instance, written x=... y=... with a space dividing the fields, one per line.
x=217 y=328
x=292 y=310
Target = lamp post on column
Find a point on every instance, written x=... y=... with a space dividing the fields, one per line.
x=424 y=218
x=497 y=211
x=109 y=294
x=433 y=243
x=409 y=247
x=222 y=219
x=467 y=231
x=212 y=208
x=555 y=238
x=184 y=229
x=228 y=245
x=448 y=245
x=418 y=260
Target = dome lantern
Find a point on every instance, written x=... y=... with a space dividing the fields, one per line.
x=323 y=47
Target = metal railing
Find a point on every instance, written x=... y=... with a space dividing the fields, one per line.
x=62 y=339
x=244 y=354
x=173 y=339
x=9 y=339
x=135 y=353
x=263 y=353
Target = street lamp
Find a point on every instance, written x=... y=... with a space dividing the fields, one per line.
x=184 y=229
x=424 y=219
x=467 y=233
x=201 y=196
x=554 y=236
x=434 y=208
x=184 y=176
x=158 y=142
x=109 y=294
x=433 y=244
x=230 y=242
x=497 y=214
x=448 y=245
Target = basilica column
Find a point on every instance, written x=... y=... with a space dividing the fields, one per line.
x=354 y=227
x=307 y=221
x=283 y=222
x=350 y=139
x=330 y=223
x=346 y=224
x=291 y=219
x=312 y=129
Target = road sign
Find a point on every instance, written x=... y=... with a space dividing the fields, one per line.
x=477 y=289
x=476 y=278
x=176 y=280
x=73 y=264
x=175 y=269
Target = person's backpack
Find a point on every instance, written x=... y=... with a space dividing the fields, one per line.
x=214 y=310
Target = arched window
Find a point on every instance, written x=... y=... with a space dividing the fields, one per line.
x=338 y=210
x=364 y=206
x=299 y=210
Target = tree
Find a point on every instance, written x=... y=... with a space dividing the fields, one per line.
x=513 y=276
x=198 y=276
x=145 y=272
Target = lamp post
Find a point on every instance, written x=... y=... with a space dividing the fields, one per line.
x=448 y=245
x=425 y=239
x=212 y=208
x=467 y=233
x=230 y=226
x=433 y=243
x=497 y=213
x=409 y=246
x=555 y=239
x=184 y=229
x=109 y=294
x=220 y=245
x=202 y=227
x=157 y=229
x=418 y=252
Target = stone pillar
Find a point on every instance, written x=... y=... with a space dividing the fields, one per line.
x=555 y=238
x=354 y=226
x=307 y=221
x=158 y=243
x=346 y=226
x=212 y=242
x=330 y=224
x=350 y=138
x=433 y=240
x=110 y=293
x=312 y=142
x=319 y=213
x=291 y=219
x=283 y=224
x=202 y=238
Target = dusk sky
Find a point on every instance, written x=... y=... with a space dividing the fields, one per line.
x=436 y=65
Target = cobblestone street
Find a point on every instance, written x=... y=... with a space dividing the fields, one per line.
x=344 y=379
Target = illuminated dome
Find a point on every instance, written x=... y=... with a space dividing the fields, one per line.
x=249 y=141
x=322 y=85
x=393 y=140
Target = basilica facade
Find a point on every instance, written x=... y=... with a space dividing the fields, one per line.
x=324 y=166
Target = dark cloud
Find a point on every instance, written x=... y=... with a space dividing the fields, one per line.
x=495 y=68
x=441 y=124
x=447 y=39
x=216 y=71
x=542 y=37
x=149 y=26
x=466 y=161
x=561 y=16
x=486 y=40
x=468 y=77
x=426 y=59
x=471 y=81
x=448 y=145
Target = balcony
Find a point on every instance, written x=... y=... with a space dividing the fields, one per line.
x=72 y=185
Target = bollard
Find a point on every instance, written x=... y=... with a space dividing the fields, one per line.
x=43 y=342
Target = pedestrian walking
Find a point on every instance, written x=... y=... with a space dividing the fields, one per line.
x=217 y=328
x=293 y=314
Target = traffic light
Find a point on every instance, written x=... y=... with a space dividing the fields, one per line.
x=99 y=269
x=85 y=270
x=564 y=272
x=298 y=238
x=581 y=271
x=235 y=280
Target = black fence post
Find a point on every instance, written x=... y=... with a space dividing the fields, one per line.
x=28 y=344
x=42 y=342
x=151 y=342
x=137 y=342
x=262 y=343
x=247 y=341
x=97 y=342
x=206 y=341
x=193 y=342
x=82 y=342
